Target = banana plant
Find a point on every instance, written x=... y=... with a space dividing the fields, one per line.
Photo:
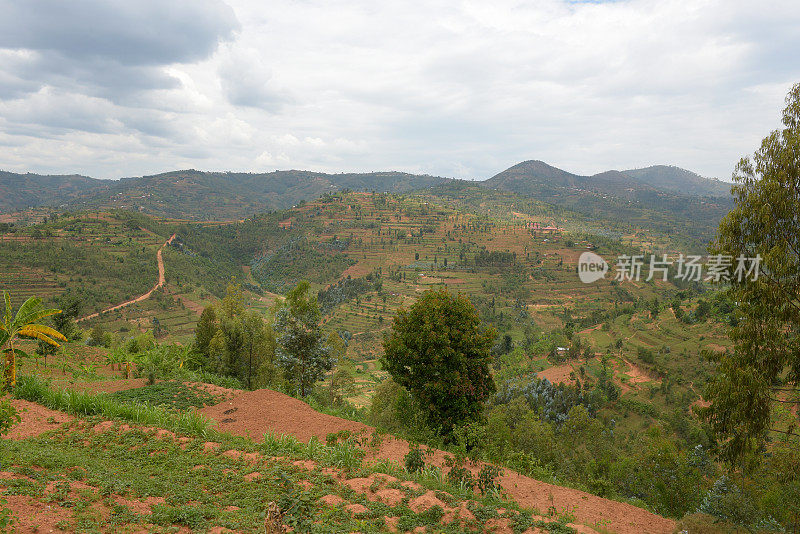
x=24 y=324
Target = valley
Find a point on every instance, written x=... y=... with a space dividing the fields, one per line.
x=623 y=363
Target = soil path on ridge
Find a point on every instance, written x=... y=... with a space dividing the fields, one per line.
x=254 y=413
x=159 y=284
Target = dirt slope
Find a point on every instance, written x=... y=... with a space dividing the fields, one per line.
x=254 y=413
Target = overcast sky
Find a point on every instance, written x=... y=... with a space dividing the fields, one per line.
x=459 y=89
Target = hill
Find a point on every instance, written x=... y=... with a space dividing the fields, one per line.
x=623 y=197
x=680 y=180
x=21 y=191
x=654 y=195
x=197 y=195
x=627 y=354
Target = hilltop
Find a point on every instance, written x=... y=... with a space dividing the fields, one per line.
x=655 y=195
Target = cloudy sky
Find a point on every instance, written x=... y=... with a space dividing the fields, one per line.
x=466 y=89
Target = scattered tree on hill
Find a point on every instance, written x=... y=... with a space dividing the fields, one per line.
x=302 y=353
x=24 y=324
x=206 y=328
x=765 y=364
x=439 y=351
x=237 y=342
x=64 y=322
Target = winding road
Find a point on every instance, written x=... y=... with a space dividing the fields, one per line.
x=159 y=284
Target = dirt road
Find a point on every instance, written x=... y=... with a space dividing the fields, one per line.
x=159 y=284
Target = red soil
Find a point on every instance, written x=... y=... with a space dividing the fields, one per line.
x=559 y=373
x=254 y=413
x=104 y=386
x=35 y=419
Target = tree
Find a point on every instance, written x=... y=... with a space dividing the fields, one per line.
x=236 y=342
x=205 y=330
x=765 y=362
x=302 y=352
x=24 y=324
x=258 y=349
x=440 y=352
x=64 y=322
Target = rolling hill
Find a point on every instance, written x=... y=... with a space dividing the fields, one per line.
x=623 y=196
x=21 y=191
x=196 y=195
x=680 y=180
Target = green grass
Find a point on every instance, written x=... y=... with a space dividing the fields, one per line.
x=82 y=403
x=169 y=394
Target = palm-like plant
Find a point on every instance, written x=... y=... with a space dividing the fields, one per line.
x=24 y=324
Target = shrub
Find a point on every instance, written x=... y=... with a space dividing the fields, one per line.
x=458 y=474
x=415 y=459
x=731 y=503
x=487 y=478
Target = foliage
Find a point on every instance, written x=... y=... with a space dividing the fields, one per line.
x=342 y=291
x=726 y=501
x=440 y=352
x=414 y=460
x=458 y=475
x=286 y=266
x=766 y=359
x=302 y=353
x=487 y=478
x=8 y=416
x=23 y=324
x=551 y=402
x=233 y=341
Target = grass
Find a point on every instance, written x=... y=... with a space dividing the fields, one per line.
x=169 y=394
x=87 y=473
x=104 y=405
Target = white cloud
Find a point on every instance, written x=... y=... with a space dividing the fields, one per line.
x=457 y=89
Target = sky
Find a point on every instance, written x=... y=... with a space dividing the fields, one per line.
x=110 y=88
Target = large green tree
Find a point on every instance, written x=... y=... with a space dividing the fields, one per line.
x=764 y=367
x=302 y=352
x=439 y=351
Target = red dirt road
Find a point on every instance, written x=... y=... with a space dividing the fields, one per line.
x=159 y=284
x=253 y=413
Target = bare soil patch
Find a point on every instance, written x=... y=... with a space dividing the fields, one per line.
x=263 y=410
x=104 y=386
x=558 y=373
x=36 y=419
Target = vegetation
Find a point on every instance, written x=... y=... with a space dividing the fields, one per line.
x=597 y=385
x=23 y=324
x=765 y=364
x=302 y=353
x=440 y=353
x=237 y=342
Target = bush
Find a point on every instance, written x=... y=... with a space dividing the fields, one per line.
x=487 y=478
x=458 y=474
x=415 y=459
x=731 y=503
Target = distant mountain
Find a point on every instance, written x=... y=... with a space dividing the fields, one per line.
x=21 y=191
x=638 y=196
x=680 y=180
x=198 y=195
x=623 y=196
